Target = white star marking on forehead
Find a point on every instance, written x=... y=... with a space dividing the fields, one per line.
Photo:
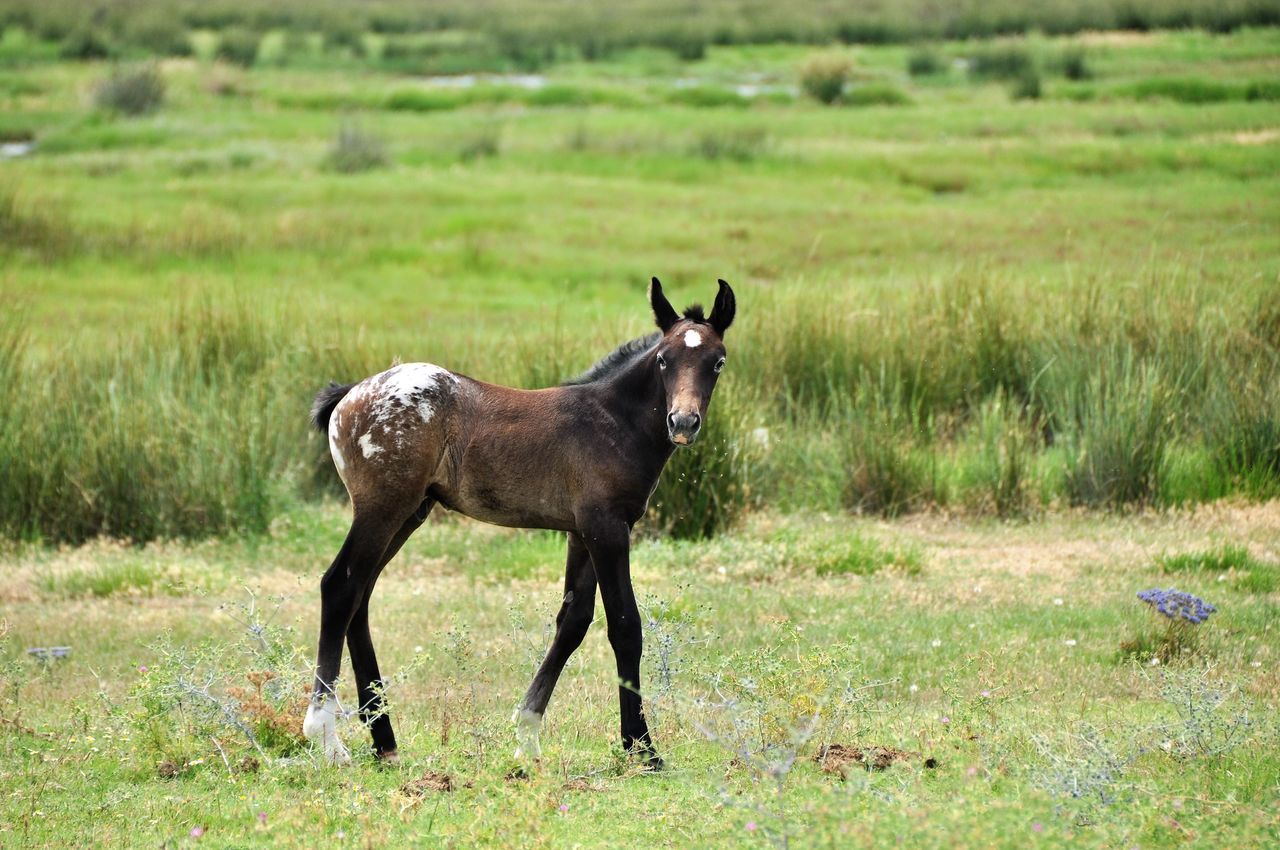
x=692 y=339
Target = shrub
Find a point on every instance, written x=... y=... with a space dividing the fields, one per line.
x=1009 y=62
x=354 y=150
x=876 y=94
x=824 y=77
x=740 y=144
x=159 y=34
x=238 y=46
x=925 y=62
x=707 y=97
x=1074 y=65
x=1184 y=90
x=85 y=43
x=423 y=100
x=1027 y=86
x=1268 y=90
x=134 y=91
x=483 y=142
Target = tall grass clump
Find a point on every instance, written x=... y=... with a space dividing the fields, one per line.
x=876 y=94
x=999 y=477
x=31 y=225
x=1004 y=62
x=1243 y=432
x=354 y=150
x=1123 y=422
x=131 y=91
x=193 y=425
x=739 y=144
x=238 y=46
x=884 y=437
x=824 y=77
x=1027 y=86
x=925 y=62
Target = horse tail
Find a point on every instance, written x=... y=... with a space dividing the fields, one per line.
x=326 y=400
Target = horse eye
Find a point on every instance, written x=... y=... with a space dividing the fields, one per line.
x=719 y=364
x=662 y=362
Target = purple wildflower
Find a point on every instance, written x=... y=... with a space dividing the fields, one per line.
x=751 y=826
x=197 y=831
x=262 y=818
x=1176 y=604
x=564 y=807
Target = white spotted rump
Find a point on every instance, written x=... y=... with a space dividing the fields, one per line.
x=692 y=339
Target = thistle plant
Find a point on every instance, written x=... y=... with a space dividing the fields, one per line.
x=1177 y=605
x=1182 y=613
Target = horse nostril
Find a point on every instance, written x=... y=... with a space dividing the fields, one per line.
x=671 y=422
x=697 y=421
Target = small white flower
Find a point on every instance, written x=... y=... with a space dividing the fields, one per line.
x=721 y=570
x=1222 y=577
x=1057 y=600
x=973 y=625
x=914 y=687
x=977 y=588
x=936 y=643
x=418 y=648
x=1255 y=663
x=1071 y=641
x=1155 y=661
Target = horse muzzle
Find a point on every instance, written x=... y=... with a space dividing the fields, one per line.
x=683 y=428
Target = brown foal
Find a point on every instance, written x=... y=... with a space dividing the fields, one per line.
x=582 y=458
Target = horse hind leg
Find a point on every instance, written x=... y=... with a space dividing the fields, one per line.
x=364 y=660
x=342 y=591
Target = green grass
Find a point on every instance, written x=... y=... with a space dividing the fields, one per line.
x=1041 y=331
x=884 y=257
x=958 y=641
x=1248 y=573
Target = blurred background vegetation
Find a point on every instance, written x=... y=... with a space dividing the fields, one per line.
x=998 y=258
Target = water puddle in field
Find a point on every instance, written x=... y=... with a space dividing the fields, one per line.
x=14 y=150
x=752 y=86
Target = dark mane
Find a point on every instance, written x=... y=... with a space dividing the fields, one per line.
x=694 y=313
x=618 y=358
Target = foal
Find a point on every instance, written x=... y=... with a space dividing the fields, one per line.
x=582 y=458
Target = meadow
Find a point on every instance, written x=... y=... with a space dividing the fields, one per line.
x=1008 y=352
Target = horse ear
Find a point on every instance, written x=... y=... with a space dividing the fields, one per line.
x=663 y=312
x=722 y=313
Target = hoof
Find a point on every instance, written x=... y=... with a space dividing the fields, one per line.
x=390 y=758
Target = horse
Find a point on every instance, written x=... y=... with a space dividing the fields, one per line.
x=583 y=457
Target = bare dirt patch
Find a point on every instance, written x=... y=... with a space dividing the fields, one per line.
x=842 y=758
x=430 y=782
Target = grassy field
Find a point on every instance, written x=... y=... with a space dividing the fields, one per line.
x=1002 y=667
x=953 y=295
x=1008 y=353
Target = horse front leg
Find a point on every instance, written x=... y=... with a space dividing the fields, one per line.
x=608 y=539
x=576 y=613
